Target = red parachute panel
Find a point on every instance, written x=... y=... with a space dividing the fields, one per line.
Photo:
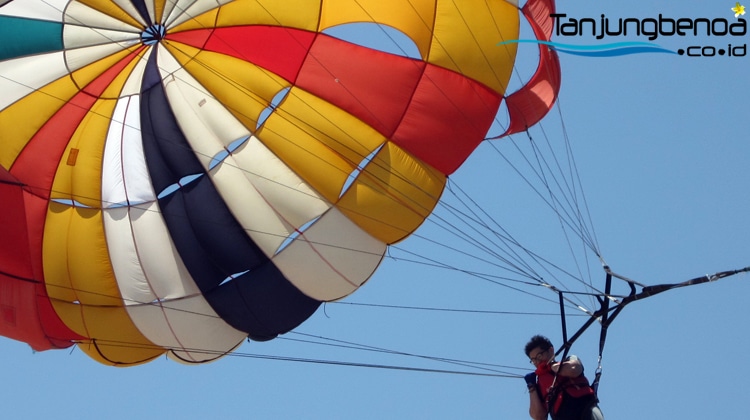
x=532 y=102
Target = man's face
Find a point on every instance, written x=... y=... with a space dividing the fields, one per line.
x=537 y=356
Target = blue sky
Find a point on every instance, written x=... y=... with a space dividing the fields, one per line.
x=661 y=149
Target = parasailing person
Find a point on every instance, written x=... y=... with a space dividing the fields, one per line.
x=559 y=389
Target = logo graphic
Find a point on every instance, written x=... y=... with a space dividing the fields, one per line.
x=738 y=10
x=604 y=50
x=730 y=30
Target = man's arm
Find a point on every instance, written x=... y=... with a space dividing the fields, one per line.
x=571 y=367
x=537 y=408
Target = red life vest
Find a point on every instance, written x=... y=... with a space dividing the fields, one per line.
x=556 y=391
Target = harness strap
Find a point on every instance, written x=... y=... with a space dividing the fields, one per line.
x=606 y=314
x=603 y=333
x=553 y=392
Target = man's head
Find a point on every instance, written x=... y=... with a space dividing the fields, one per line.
x=539 y=349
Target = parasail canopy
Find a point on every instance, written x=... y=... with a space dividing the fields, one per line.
x=176 y=176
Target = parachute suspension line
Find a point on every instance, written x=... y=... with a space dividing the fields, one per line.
x=505 y=254
x=560 y=191
x=575 y=178
x=575 y=194
x=486 y=277
x=569 y=198
x=520 y=259
x=436 y=263
x=567 y=208
x=435 y=309
x=573 y=185
x=515 y=261
x=489 y=369
x=370 y=365
x=557 y=183
x=480 y=368
x=491 y=224
x=513 y=258
x=325 y=341
x=586 y=223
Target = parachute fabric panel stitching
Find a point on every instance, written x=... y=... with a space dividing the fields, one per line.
x=272 y=165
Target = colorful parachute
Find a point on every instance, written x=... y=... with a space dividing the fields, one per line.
x=178 y=175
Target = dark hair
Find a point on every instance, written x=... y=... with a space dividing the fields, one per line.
x=537 y=341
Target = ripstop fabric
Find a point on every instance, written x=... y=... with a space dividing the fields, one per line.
x=176 y=176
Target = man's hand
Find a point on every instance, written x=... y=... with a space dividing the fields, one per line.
x=530 y=379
